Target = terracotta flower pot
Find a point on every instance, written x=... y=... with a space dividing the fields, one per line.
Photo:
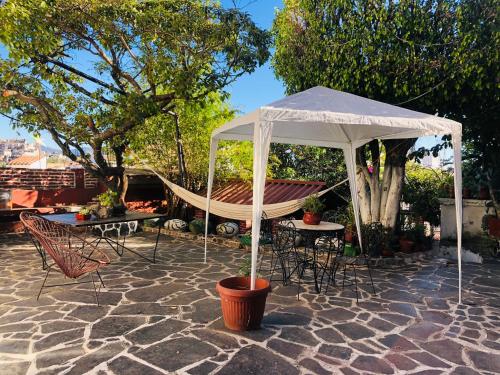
x=242 y=308
x=406 y=245
x=386 y=252
x=311 y=219
x=79 y=216
x=494 y=226
x=348 y=235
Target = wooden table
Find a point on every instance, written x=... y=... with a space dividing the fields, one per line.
x=310 y=234
x=70 y=220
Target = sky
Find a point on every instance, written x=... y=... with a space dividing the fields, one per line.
x=248 y=93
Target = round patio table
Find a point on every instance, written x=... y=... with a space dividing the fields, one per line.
x=310 y=234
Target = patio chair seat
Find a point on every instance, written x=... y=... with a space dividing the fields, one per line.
x=74 y=256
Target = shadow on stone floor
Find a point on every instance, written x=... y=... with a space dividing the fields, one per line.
x=165 y=318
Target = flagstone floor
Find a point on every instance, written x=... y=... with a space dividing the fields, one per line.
x=165 y=318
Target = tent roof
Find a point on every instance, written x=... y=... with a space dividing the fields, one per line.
x=324 y=117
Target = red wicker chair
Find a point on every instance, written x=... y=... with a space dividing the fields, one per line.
x=74 y=256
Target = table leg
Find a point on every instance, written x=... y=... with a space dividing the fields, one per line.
x=315 y=269
x=115 y=245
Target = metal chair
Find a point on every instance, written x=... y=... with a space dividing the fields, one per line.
x=284 y=253
x=342 y=261
x=74 y=257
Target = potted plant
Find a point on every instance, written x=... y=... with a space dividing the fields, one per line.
x=484 y=192
x=313 y=207
x=491 y=222
x=419 y=237
x=84 y=213
x=107 y=201
x=243 y=308
x=407 y=241
x=389 y=242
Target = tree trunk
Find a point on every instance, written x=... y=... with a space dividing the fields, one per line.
x=380 y=197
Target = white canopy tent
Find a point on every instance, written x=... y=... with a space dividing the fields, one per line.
x=329 y=118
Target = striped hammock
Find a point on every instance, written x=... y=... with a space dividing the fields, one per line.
x=239 y=211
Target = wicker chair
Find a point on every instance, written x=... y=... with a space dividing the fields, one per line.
x=74 y=257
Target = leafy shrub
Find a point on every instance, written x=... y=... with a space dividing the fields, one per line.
x=108 y=199
x=422 y=190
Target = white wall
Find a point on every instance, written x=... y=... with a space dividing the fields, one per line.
x=473 y=212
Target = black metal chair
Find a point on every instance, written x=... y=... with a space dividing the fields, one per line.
x=284 y=253
x=342 y=261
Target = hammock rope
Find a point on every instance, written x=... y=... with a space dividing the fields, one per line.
x=238 y=211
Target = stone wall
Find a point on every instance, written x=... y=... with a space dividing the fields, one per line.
x=45 y=179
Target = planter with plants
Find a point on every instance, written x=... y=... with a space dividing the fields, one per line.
x=413 y=239
x=243 y=308
x=313 y=208
x=85 y=213
x=491 y=223
x=107 y=201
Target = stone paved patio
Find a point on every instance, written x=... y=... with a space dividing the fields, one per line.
x=165 y=318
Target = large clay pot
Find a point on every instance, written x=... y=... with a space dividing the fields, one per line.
x=311 y=219
x=242 y=308
x=494 y=227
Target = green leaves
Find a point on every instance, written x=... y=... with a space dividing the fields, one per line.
x=90 y=71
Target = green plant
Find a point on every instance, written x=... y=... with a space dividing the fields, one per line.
x=313 y=204
x=108 y=199
x=85 y=211
x=384 y=50
x=422 y=190
x=246 y=267
x=416 y=233
x=142 y=59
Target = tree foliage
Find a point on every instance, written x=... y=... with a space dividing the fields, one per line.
x=90 y=71
x=308 y=163
x=423 y=188
x=155 y=143
x=435 y=56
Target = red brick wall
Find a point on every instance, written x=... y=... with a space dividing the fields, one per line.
x=48 y=187
x=36 y=179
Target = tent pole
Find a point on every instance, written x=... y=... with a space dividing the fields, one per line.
x=211 y=167
x=350 y=161
x=457 y=166
x=261 y=143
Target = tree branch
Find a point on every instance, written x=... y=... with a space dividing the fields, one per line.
x=82 y=74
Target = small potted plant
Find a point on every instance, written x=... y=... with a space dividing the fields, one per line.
x=243 y=308
x=84 y=213
x=107 y=202
x=313 y=207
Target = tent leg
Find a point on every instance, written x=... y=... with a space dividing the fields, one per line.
x=457 y=166
x=261 y=143
x=350 y=161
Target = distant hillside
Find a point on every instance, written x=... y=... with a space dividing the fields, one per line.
x=51 y=151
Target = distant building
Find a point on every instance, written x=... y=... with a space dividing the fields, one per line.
x=430 y=161
x=29 y=161
x=13 y=148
